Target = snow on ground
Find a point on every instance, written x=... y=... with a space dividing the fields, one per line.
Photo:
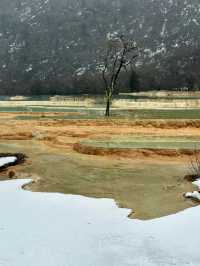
x=67 y=230
x=197 y=183
x=6 y=160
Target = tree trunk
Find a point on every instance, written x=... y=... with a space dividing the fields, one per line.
x=108 y=103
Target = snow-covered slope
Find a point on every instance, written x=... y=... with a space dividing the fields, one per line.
x=64 y=230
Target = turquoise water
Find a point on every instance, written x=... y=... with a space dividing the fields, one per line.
x=85 y=113
x=121 y=96
x=138 y=142
x=116 y=114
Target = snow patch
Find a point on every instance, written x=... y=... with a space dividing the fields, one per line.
x=29 y=68
x=197 y=183
x=195 y=194
x=80 y=71
x=55 y=229
x=6 y=160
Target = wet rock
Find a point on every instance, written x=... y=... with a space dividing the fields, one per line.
x=11 y=174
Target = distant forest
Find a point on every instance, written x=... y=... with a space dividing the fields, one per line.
x=55 y=47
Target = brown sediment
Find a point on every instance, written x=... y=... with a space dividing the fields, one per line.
x=16 y=136
x=131 y=152
x=156 y=123
x=71 y=133
x=191 y=178
x=148 y=182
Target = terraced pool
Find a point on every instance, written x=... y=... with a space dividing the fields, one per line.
x=145 y=142
x=94 y=113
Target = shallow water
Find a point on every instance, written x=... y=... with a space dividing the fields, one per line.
x=124 y=106
x=146 y=142
x=151 y=189
x=96 y=113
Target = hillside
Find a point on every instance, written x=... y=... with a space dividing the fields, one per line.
x=54 y=46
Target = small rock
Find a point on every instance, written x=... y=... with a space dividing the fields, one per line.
x=11 y=174
x=193 y=195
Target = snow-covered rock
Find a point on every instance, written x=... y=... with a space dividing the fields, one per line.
x=195 y=194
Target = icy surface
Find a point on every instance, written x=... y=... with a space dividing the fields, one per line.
x=65 y=230
x=6 y=160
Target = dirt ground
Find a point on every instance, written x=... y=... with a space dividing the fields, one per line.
x=152 y=185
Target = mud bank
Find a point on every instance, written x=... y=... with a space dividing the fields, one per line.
x=131 y=152
x=157 y=123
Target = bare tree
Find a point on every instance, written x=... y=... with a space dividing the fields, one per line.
x=120 y=55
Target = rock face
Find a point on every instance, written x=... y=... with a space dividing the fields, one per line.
x=60 y=42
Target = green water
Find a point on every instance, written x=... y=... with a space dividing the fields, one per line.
x=85 y=113
x=135 y=142
x=158 y=114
